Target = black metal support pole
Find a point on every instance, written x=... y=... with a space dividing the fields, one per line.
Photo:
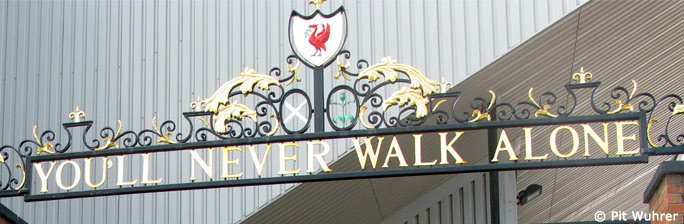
x=492 y=140
x=319 y=103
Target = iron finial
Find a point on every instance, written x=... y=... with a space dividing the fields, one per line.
x=77 y=115
x=582 y=76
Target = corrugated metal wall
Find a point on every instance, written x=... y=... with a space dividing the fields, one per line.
x=647 y=46
x=464 y=200
x=132 y=60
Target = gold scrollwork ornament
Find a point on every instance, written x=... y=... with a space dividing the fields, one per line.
x=620 y=106
x=23 y=179
x=277 y=125
x=317 y=3
x=678 y=109
x=362 y=110
x=341 y=68
x=648 y=132
x=44 y=148
x=231 y=111
x=438 y=104
x=478 y=115
x=162 y=138
x=219 y=102
x=295 y=73
x=411 y=97
x=109 y=142
x=389 y=67
x=246 y=82
x=204 y=121
x=541 y=110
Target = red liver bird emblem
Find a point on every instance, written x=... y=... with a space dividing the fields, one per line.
x=318 y=39
x=322 y=35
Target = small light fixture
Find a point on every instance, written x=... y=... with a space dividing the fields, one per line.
x=529 y=193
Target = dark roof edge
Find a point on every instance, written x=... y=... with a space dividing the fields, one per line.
x=666 y=167
x=9 y=215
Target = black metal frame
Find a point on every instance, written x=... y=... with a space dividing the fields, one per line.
x=494 y=125
x=364 y=93
x=341 y=176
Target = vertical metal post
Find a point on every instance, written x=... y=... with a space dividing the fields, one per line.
x=492 y=141
x=319 y=101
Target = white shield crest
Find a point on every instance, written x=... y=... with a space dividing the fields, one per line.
x=318 y=38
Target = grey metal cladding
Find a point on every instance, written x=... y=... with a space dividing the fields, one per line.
x=132 y=60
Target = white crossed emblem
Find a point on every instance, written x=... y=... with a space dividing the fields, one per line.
x=295 y=112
